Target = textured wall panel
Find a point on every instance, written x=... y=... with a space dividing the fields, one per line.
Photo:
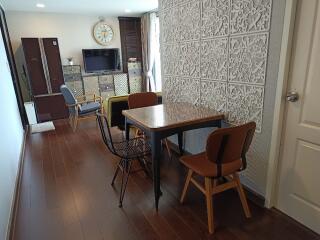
x=181 y=89
x=170 y=25
x=245 y=103
x=189 y=20
x=248 y=58
x=215 y=18
x=189 y=59
x=214 y=95
x=164 y=4
x=170 y=54
x=214 y=59
x=237 y=70
x=221 y=41
x=250 y=16
x=170 y=89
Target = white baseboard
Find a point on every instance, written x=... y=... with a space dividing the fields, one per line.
x=16 y=193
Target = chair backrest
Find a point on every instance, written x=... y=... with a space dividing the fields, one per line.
x=145 y=99
x=226 y=145
x=67 y=95
x=105 y=131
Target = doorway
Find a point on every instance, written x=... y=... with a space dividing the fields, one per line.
x=298 y=192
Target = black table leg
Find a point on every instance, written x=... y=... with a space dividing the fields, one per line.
x=180 y=140
x=156 y=154
x=127 y=129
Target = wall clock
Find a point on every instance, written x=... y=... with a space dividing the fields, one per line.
x=103 y=33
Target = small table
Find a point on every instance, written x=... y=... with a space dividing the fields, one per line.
x=164 y=120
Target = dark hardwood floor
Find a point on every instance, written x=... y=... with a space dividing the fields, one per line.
x=66 y=194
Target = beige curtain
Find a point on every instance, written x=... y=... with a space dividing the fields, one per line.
x=148 y=34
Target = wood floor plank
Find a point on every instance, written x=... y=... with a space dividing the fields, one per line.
x=66 y=194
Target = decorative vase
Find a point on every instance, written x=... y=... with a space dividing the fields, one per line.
x=70 y=61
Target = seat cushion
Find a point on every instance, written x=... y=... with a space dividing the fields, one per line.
x=89 y=108
x=202 y=166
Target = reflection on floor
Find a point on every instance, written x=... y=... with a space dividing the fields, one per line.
x=66 y=194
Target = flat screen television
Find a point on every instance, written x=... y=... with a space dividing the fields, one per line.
x=101 y=60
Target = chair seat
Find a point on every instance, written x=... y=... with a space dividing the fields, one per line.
x=133 y=148
x=202 y=166
x=89 y=107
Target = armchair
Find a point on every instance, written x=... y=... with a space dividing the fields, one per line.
x=82 y=107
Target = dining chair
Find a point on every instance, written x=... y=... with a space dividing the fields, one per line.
x=81 y=107
x=145 y=99
x=128 y=151
x=225 y=156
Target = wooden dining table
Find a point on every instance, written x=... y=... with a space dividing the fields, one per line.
x=164 y=120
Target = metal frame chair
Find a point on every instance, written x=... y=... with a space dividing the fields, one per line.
x=81 y=107
x=133 y=149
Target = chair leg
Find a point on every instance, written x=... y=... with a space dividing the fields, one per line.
x=242 y=195
x=70 y=120
x=137 y=133
x=186 y=185
x=75 y=123
x=102 y=108
x=117 y=171
x=208 y=188
x=124 y=182
x=143 y=165
x=168 y=148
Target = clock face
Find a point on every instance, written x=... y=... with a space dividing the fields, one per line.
x=103 y=33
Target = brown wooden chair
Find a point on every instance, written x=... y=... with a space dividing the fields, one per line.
x=225 y=156
x=145 y=99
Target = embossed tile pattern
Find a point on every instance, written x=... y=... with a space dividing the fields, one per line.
x=214 y=59
x=189 y=16
x=215 y=18
x=214 y=53
x=250 y=16
x=245 y=102
x=189 y=59
x=248 y=58
x=214 y=95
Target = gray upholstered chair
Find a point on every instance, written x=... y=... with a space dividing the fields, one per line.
x=81 y=107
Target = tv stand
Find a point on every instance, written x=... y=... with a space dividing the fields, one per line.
x=84 y=74
x=104 y=83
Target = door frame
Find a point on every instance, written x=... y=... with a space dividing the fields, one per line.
x=14 y=74
x=279 y=115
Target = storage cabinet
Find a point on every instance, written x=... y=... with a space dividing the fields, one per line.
x=44 y=71
x=131 y=47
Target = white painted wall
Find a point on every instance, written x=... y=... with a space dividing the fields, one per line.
x=11 y=131
x=74 y=32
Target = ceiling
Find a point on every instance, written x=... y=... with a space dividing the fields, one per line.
x=101 y=7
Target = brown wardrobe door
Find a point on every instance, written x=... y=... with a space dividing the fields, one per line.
x=51 y=48
x=34 y=65
x=131 y=47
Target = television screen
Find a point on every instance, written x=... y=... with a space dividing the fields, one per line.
x=101 y=60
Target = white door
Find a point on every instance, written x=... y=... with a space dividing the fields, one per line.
x=299 y=179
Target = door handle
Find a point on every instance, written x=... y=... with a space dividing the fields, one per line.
x=292 y=96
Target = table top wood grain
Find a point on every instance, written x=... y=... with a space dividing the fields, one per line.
x=171 y=115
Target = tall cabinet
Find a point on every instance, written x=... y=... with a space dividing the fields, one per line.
x=131 y=47
x=44 y=71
